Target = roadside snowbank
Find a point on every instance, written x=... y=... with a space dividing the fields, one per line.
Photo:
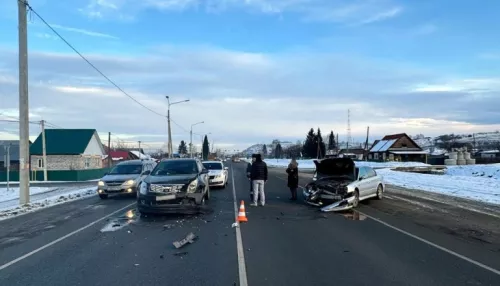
x=13 y=192
x=10 y=208
x=309 y=164
x=482 y=189
x=485 y=171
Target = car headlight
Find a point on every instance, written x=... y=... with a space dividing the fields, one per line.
x=143 y=189
x=192 y=186
x=129 y=182
x=100 y=184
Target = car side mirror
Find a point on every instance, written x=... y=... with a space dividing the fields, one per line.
x=360 y=178
x=145 y=173
x=226 y=168
x=204 y=171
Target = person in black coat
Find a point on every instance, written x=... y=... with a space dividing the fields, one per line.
x=249 y=172
x=259 y=176
x=293 y=178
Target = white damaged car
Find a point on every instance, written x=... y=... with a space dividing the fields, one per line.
x=218 y=174
x=339 y=184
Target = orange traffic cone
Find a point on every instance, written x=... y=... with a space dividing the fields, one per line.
x=242 y=217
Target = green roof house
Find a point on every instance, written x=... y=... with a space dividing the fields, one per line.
x=68 y=149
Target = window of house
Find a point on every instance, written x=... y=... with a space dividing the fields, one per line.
x=404 y=145
x=40 y=163
x=87 y=162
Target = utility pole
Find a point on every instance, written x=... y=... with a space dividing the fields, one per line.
x=109 y=150
x=24 y=155
x=191 y=138
x=366 y=143
x=139 y=145
x=44 y=151
x=6 y=163
x=170 y=149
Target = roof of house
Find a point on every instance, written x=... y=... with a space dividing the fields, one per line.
x=119 y=154
x=389 y=140
x=63 y=141
x=394 y=136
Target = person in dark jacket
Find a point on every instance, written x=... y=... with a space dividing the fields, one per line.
x=258 y=175
x=293 y=178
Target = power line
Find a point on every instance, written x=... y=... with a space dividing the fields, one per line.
x=86 y=60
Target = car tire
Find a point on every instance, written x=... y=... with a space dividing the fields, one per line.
x=103 y=196
x=355 y=203
x=380 y=192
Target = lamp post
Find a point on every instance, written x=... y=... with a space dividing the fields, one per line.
x=191 y=138
x=169 y=143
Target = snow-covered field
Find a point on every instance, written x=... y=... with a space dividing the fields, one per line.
x=41 y=197
x=475 y=182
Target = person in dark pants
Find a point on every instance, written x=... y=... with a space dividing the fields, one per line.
x=249 y=172
x=293 y=178
x=259 y=179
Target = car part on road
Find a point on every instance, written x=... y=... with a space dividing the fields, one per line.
x=190 y=238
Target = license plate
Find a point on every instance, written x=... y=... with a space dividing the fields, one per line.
x=114 y=188
x=165 y=198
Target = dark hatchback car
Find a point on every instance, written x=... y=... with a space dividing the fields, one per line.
x=174 y=185
x=125 y=177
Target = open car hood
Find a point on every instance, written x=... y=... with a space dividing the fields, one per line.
x=335 y=167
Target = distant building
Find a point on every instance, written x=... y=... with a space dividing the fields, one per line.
x=397 y=147
x=354 y=153
x=13 y=146
x=68 y=149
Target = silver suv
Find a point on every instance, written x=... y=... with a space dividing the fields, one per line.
x=125 y=177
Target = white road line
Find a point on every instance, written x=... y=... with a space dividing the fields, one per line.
x=242 y=269
x=479 y=264
x=465 y=258
x=62 y=238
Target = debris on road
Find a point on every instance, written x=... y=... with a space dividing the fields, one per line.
x=188 y=239
x=181 y=254
x=235 y=224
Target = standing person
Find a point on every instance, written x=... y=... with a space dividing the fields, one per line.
x=259 y=178
x=293 y=178
x=249 y=173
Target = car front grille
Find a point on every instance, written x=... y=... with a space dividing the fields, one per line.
x=212 y=177
x=157 y=188
x=114 y=183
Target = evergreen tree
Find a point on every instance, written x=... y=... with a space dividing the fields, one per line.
x=206 y=148
x=278 y=151
x=319 y=143
x=309 y=149
x=264 y=151
x=182 y=148
x=331 y=141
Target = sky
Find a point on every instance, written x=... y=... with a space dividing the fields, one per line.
x=255 y=70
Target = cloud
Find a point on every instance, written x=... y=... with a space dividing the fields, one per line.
x=83 y=32
x=247 y=98
x=357 y=12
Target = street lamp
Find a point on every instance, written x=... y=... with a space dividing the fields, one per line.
x=169 y=143
x=191 y=137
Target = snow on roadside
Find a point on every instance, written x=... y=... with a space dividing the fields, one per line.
x=309 y=164
x=485 y=171
x=481 y=189
x=71 y=195
x=13 y=193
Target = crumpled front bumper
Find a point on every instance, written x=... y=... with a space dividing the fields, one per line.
x=341 y=205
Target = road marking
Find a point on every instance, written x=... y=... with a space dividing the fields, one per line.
x=62 y=238
x=242 y=269
x=465 y=258
x=479 y=264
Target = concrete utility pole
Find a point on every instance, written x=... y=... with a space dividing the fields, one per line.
x=139 y=145
x=6 y=162
x=191 y=138
x=170 y=149
x=44 y=151
x=24 y=156
x=109 y=150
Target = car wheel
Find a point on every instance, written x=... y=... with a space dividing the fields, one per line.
x=355 y=203
x=380 y=192
x=103 y=196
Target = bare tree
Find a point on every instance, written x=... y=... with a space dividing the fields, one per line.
x=119 y=144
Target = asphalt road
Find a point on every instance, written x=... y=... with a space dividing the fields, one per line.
x=284 y=243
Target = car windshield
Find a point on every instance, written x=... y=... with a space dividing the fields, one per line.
x=212 y=165
x=175 y=167
x=126 y=169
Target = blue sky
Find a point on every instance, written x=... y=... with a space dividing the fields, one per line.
x=401 y=66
